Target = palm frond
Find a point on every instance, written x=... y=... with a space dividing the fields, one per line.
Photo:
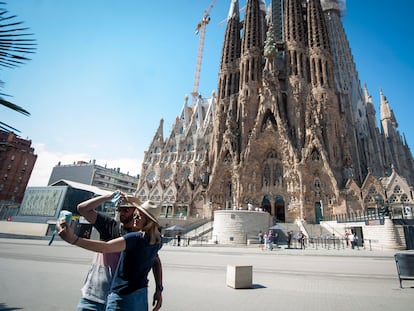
x=15 y=43
x=15 y=40
x=7 y=128
x=14 y=107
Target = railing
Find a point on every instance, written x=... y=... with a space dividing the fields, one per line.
x=185 y=241
x=333 y=242
x=357 y=217
x=378 y=214
x=328 y=243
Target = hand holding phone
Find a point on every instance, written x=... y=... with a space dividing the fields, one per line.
x=67 y=216
x=116 y=197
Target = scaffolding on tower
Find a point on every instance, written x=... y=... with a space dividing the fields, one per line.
x=200 y=30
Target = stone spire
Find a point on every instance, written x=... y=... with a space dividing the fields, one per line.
x=388 y=121
x=251 y=67
x=294 y=23
x=184 y=116
x=277 y=19
x=351 y=98
x=229 y=74
x=319 y=48
x=252 y=42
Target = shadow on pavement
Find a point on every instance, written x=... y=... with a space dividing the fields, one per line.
x=4 y=307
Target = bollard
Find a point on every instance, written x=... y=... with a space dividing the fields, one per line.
x=239 y=276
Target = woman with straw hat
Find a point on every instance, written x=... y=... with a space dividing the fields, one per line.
x=139 y=248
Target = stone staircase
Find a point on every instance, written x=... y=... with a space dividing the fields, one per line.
x=386 y=237
x=202 y=232
x=283 y=232
x=316 y=230
x=194 y=229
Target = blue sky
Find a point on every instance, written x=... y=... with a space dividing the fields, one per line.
x=105 y=72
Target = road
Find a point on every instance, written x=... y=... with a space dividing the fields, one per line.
x=38 y=277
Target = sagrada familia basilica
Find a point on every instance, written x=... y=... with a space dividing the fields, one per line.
x=290 y=130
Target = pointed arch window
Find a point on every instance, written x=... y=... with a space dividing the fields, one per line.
x=315 y=156
x=170 y=196
x=186 y=173
x=317 y=184
x=368 y=199
x=393 y=199
x=271 y=155
x=142 y=195
x=168 y=174
x=227 y=158
x=268 y=121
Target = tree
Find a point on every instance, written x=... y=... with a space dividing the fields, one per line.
x=15 y=44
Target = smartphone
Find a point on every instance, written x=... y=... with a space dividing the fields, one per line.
x=116 y=197
x=67 y=216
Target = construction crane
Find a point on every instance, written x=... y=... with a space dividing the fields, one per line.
x=200 y=30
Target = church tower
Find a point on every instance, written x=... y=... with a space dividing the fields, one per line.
x=290 y=129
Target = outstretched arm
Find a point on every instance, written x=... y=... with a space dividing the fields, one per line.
x=112 y=246
x=157 y=271
x=88 y=208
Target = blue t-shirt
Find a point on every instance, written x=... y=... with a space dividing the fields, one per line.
x=135 y=263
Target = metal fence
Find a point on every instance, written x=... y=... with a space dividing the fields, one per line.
x=333 y=242
x=377 y=214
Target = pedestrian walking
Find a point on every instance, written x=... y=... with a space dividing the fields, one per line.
x=289 y=238
x=301 y=239
x=265 y=241
x=270 y=239
x=352 y=240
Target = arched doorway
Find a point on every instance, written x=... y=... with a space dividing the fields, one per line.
x=266 y=206
x=280 y=208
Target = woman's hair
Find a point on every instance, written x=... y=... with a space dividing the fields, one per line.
x=152 y=229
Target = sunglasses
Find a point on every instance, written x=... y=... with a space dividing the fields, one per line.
x=124 y=208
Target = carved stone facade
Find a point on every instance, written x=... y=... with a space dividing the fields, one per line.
x=290 y=129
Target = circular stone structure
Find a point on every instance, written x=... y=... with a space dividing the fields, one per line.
x=238 y=226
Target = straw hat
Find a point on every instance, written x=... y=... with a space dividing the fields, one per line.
x=128 y=201
x=151 y=209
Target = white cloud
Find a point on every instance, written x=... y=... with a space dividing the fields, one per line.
x=46 y=160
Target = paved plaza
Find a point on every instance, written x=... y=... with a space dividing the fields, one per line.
x=37 y=277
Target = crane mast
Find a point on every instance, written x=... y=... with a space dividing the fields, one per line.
x=200 y=30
